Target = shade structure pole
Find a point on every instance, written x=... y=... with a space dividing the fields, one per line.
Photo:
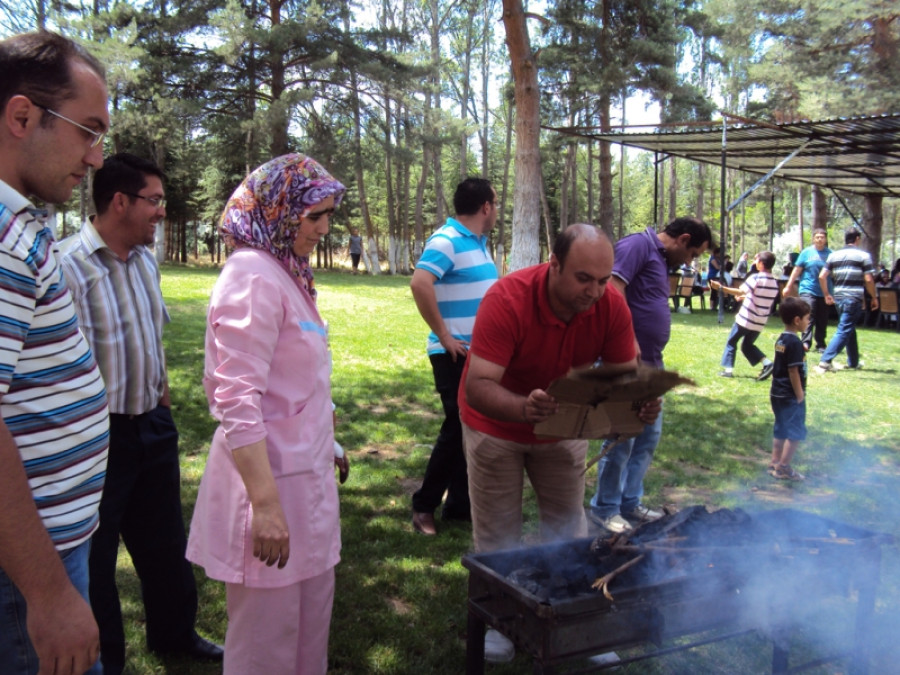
x=723 y=214
x=656 y=190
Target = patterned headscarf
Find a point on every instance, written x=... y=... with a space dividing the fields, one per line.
x=265 y=210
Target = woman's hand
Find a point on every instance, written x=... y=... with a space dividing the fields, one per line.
x=268 y=527
x=271 y=539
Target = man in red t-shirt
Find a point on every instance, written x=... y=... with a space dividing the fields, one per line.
x=532 y=327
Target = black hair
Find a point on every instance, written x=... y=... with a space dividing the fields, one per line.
x=471 y=195
x=850 y=236
x=791 y=308
x=123 y=172
x=767 y=258
x=39 y=66
x=699 y=231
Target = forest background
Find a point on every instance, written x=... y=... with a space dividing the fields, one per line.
x=401 y=99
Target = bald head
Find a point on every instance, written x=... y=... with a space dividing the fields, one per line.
x=581 y=232
x=580 y=268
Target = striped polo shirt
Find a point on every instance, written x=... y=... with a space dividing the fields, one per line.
x=848 y=268
x=52 y=397
x=121 y=311
x=464 y=270
x=760 y=291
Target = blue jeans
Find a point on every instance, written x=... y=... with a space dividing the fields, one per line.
x=17 y=655
x=620 y=477
x=752 y=353
x=850 y=309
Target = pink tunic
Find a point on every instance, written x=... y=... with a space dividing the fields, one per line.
x=266 y=377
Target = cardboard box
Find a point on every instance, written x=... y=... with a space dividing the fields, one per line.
x=597 y=403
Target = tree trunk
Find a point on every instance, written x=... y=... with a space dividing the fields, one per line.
x=278 y=112
x=527 y=191
x=873 y=222
x=820 y=218
x=607 y=213
x=500 y=257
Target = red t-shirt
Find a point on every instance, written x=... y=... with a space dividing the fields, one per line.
x=515 y=328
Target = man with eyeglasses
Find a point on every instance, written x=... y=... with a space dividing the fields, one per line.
x=55 y=426
x=114 y=279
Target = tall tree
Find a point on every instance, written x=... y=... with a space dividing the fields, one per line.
x=528 y=184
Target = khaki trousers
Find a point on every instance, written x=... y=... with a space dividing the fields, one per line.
x=496 y=481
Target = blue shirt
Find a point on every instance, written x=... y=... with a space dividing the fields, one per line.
x=464 y=270
x=812 y=261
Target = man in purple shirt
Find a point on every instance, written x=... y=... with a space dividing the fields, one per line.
x=641 y=273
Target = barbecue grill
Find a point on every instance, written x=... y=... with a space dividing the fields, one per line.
x=727 y=578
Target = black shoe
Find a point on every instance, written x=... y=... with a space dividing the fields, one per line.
x=199 y=649
x=765 y=372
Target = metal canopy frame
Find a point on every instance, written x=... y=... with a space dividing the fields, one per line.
x=860 y=155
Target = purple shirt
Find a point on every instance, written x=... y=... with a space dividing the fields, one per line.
x=641 y=264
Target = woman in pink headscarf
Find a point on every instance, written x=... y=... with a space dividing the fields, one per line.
x=266 y=520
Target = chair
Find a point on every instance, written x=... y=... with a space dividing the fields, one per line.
x=686 y=290
x=673 y=289
x=888 y=307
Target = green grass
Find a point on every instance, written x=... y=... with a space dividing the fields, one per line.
x=400 y=604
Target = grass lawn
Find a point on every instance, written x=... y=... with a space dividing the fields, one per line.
x=400 y=605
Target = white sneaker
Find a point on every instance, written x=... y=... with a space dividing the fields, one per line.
x=604 y=659
x=615 y=523
x=497 y=647
x=684 y=310
x=644 y=513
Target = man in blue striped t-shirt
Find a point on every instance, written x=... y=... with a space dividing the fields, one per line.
x=450 y=279
x=54 y=432
x=853 y=273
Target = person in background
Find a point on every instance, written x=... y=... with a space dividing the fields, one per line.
x=266 y=520
x=742 y=267
x=712 y=275
x=640 y=274
x=54 y=432
x=114 y=280
x=532 y=327
x=852 y=271
x=895 y=274
x=805 y=276
x=451 y=277
x=788 y=392
x=355 y=248
x=757 y=295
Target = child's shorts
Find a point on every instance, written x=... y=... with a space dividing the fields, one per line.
x=790 y=418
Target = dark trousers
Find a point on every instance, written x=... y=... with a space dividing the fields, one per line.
x=142 y=502
x=446 y=469
x=818 y=322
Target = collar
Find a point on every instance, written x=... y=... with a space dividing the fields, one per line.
x=14 y=200
x=93 y=242
x=651 y=234
x=463 y=230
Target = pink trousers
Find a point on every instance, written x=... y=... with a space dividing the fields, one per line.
x=496 y=479
x=279 y=631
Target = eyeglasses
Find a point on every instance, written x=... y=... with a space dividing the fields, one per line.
x=96 y=136
x=158 y=202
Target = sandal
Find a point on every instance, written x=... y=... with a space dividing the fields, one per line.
x=786 y=472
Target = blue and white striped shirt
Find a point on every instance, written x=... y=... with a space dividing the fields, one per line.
x=464 y=270
x=52 y=397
